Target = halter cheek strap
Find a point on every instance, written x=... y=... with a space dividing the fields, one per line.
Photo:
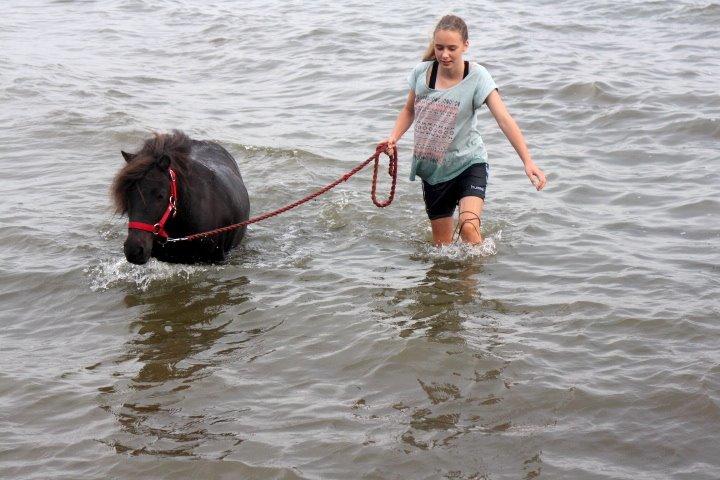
x=159 y=228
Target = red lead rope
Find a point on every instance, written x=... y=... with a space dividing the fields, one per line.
x=392 y=170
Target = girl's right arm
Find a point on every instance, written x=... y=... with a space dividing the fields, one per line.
x=404 y=120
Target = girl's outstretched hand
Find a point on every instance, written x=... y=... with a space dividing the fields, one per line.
x=536 y=176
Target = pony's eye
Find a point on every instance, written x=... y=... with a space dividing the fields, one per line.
x=156 y=193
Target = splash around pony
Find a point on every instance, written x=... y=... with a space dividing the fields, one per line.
x=175 y=186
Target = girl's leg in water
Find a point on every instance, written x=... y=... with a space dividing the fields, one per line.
x=442 y=230
x=471 y=209
x=469 y=223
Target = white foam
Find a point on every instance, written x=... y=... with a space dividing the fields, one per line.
x=118 y=271
x=464 y=251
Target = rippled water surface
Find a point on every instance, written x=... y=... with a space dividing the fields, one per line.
x=580 y=342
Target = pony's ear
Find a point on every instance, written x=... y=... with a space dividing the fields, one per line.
x=127 y=156
x=164 y=161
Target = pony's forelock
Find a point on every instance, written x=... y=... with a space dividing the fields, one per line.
x=176 y=146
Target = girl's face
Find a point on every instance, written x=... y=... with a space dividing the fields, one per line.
x=449 y=47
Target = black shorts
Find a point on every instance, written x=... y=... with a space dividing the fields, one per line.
x=442 y=198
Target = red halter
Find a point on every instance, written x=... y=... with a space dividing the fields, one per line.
x=159 y=228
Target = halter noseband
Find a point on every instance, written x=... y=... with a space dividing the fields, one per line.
x=159 y=228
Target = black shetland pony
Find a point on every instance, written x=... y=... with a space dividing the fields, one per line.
x=175 y=186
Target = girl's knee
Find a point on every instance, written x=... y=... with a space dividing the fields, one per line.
x=470 y=231
x=469 y=227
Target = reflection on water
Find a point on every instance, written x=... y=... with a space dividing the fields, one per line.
x=469 y=391
x=172 y=334
x=182 y=333
x=434 y=305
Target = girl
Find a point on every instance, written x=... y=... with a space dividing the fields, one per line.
x=449 y=156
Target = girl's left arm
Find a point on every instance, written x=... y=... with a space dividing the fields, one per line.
x=514 y=135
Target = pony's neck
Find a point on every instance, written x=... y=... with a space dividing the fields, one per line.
x=183 y=192
x=190 y=193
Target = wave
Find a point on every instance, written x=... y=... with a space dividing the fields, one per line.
x=113 y=272
x=463 y=251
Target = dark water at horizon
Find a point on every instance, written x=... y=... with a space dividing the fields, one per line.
x=580 y=342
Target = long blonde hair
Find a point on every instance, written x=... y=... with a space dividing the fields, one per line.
x=448 y=22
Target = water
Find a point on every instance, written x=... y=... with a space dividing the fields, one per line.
x=579 y=343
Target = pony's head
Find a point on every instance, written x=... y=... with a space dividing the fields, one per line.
x=141 y=189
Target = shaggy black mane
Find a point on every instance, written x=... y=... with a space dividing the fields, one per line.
x=175 y=146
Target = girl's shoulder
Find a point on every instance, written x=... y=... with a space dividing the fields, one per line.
x=484 y=79
x=478 y=68
x=422 y=66
x=418 y=71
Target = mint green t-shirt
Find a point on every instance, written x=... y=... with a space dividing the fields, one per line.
x=447 y=140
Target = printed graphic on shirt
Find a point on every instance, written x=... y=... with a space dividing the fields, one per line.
x=435 y=120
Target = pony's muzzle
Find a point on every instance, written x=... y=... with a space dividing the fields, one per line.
x=138 y=247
